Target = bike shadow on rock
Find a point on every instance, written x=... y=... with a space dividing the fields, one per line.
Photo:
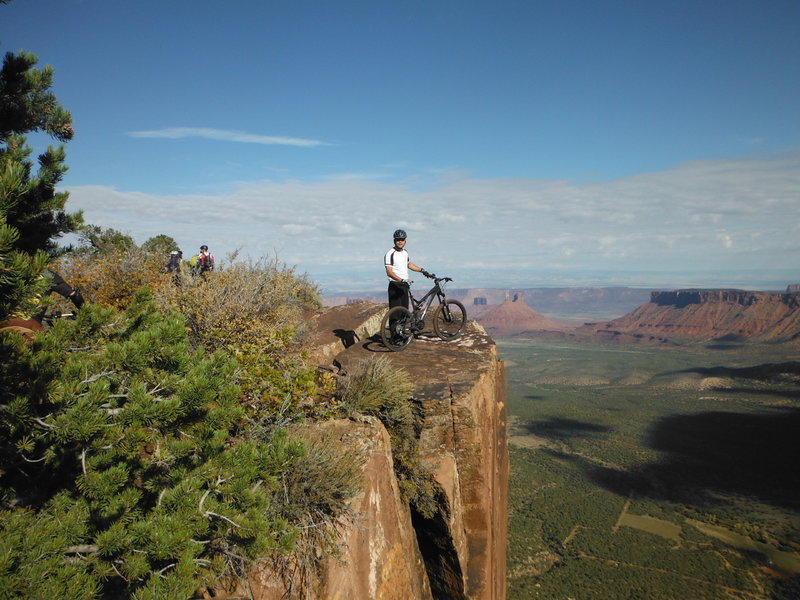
x=713 y=454
x=374 y=343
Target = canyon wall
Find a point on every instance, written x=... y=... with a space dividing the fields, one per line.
x=389 y=551
x=711 y=314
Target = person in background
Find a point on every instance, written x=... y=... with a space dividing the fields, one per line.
x=205 y=261
x=174 y=265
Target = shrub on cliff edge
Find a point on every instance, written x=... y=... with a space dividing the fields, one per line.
x=377 y=387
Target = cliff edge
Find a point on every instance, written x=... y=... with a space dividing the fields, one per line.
x=390 y=552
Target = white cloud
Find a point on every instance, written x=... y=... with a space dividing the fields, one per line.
x=721 y=216
x=296 y=229
x=225 y=135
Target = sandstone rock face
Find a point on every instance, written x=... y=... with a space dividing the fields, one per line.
x=380 y=557
x=460 y=386
x=458 y=553
x=712 y=314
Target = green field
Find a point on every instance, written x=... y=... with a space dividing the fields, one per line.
x=653 y=473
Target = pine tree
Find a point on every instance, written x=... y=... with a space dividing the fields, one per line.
x=124 y=471
x=28 y=200
x=129 y=467
x=31 y=211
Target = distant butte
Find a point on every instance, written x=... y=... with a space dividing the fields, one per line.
x=514 y=316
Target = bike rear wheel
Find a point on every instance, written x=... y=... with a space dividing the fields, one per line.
x=396 y=328
x=449 y=319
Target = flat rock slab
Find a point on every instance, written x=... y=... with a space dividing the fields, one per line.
x=430 y=360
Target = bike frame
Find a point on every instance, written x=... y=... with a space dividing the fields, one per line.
x=435 y=292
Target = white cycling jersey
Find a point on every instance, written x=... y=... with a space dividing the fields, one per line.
x=398 y=260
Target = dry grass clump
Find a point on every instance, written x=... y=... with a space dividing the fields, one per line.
x=377 y=387
x=317 y=489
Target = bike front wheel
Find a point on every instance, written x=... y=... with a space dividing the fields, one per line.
x=396 y=328
x=449 y=319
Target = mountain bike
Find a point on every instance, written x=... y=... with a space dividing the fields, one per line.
x=400 y=325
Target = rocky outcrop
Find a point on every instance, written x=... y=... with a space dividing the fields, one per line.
x=392 y=552
x=711 y=314
x=335 y=329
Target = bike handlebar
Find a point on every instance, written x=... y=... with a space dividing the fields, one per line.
x=434 y=277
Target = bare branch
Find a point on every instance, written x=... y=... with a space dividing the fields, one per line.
x=43 y=424
x=208 y=513
x=161 y=571
x=97 y=376
x=81 y=549
x=31 y=460
x=203 y=499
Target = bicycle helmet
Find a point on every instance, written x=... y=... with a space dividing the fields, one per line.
x=203 y=247
x=400 y=234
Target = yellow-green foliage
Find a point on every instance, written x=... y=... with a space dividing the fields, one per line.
x=260 y=303
x=256 y=311
x=112 y=278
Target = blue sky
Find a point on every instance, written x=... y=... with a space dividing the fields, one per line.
x=520 y=143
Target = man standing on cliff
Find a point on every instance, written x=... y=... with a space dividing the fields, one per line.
x=397 y=264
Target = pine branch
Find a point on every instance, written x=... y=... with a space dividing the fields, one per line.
x=203 y=499
x=116 y=570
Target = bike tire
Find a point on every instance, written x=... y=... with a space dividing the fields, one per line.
x=396 y=332
x=449 y=319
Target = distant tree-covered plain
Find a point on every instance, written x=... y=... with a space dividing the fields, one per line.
x=653 y=473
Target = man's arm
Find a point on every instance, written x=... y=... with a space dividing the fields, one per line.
x=414 y=267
